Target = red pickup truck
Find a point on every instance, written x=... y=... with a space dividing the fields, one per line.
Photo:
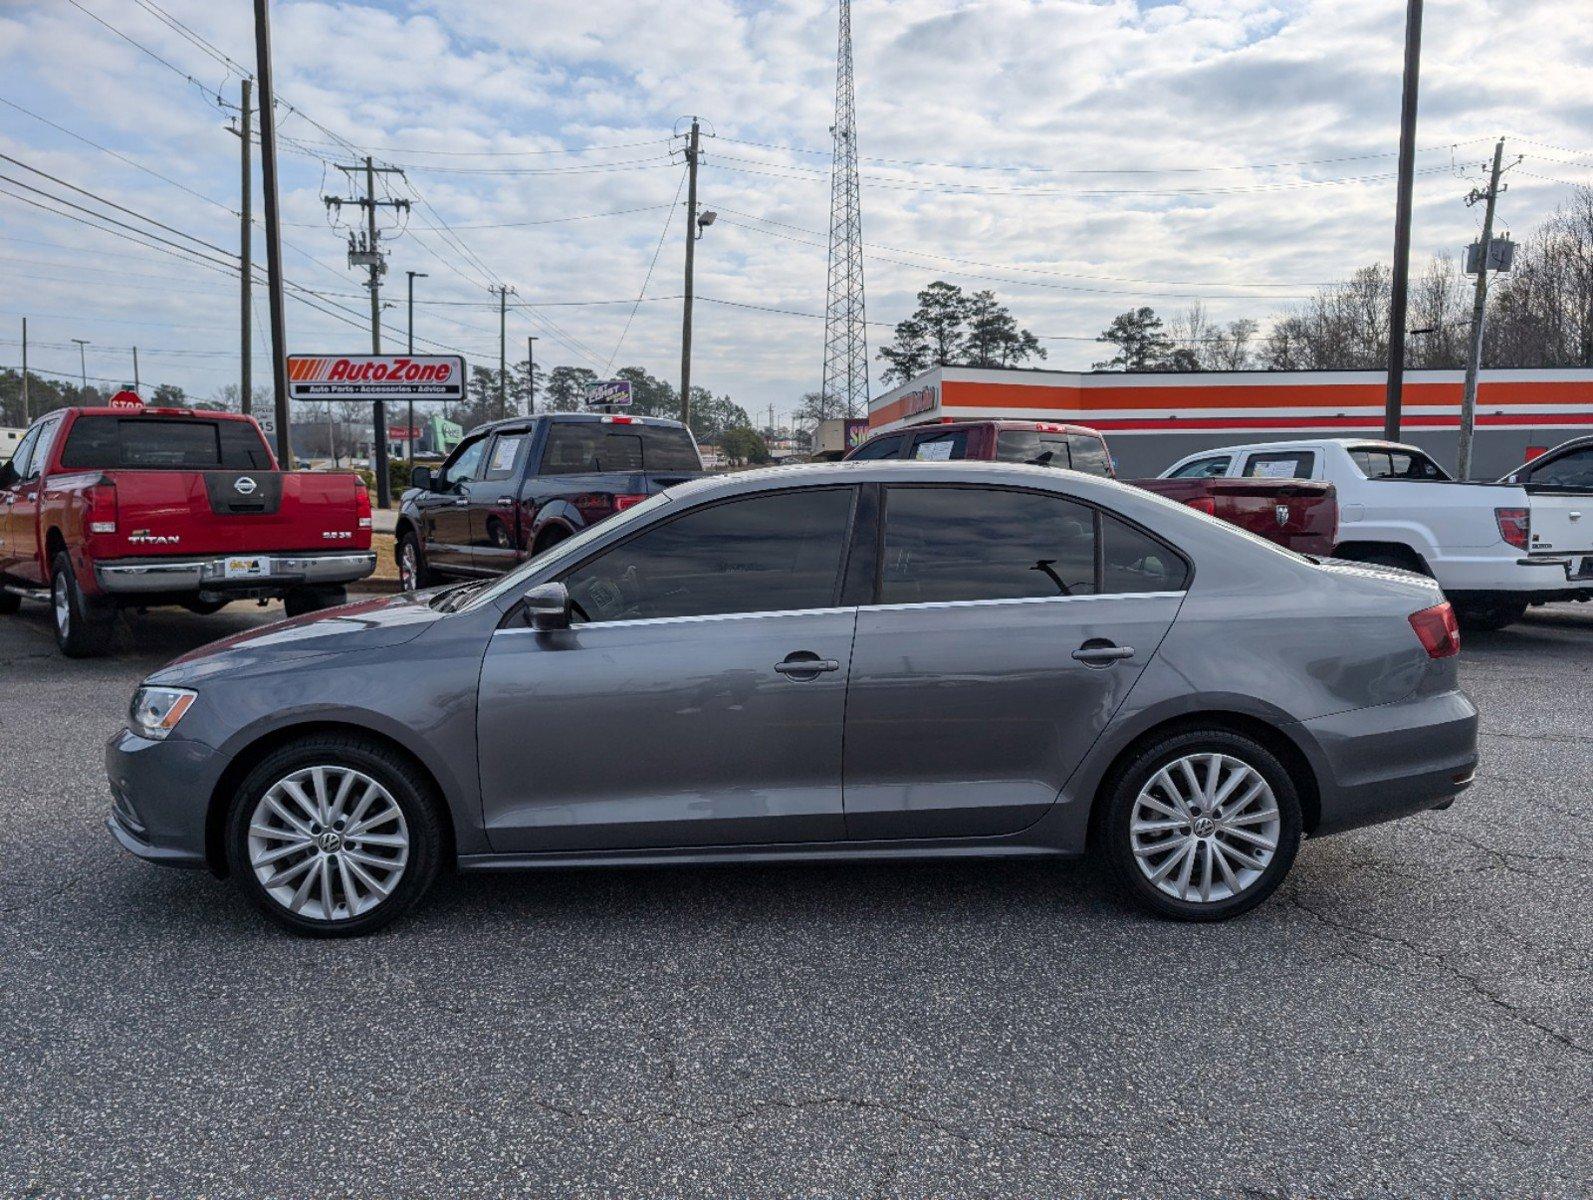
x=1298 y=514
x=102 y=508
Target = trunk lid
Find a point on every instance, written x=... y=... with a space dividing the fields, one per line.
x=1562 y=521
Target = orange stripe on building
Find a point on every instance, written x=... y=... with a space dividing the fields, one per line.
x=1083 y=401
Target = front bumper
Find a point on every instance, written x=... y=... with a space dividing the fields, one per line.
x=160 y=796
x=209 y=573
x=1394 y=760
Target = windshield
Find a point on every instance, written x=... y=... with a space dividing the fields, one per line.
x=571 y=547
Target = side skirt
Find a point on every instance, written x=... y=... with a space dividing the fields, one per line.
x=807 y=852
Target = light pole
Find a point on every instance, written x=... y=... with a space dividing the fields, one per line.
x=82 y=366
x=413 y=275
x=531 y=375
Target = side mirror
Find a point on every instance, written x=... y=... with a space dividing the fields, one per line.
x=547 y=607
x=8 y=474
x=420 y=478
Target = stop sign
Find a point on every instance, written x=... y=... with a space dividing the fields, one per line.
x=125 y=399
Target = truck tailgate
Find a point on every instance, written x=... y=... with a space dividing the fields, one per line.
x=226 y=512
x=1300 y=514
x=1562 y=522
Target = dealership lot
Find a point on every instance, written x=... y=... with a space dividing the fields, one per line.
x=1408 y=1016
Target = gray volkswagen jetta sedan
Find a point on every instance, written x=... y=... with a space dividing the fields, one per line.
x=863 y=660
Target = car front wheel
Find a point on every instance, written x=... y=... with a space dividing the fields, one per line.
x=333 y=836
x=1202 y=825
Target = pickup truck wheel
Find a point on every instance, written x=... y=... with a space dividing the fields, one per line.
x=79 y=631
x=205 y=607
x=300 y=601
x=1490 y=615
x=1202 y=825
x=333 y=836
x=413 y=574
x=9 y=603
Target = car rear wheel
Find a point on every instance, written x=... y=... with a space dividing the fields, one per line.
x=333 y=836
x=80 y=632
x=1490 y=615
x=1202 y=825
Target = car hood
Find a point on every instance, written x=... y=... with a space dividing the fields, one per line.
x=367 y=625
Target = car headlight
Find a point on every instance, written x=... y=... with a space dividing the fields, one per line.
x=156 y=710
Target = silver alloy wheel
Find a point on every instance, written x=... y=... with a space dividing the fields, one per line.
x=61 y=599
x=408 y=567
x=328 y=842
x=1205 y=827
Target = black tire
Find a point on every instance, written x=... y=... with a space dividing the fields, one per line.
x=549 y=537
x=205 y=608
x=1405 y=561
x=9 y=603
x=404 y=784
x=300 y=601
x=1123 y=792
x=413 y=573
x=1489 y=616
x=80 y=630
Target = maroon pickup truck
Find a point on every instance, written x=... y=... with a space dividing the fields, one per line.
x=1298 y=514
x=102 y=508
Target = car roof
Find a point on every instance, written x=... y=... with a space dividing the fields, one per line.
x=890 y=470
x=572 y=418
x=998 y=422
x=1303 y=444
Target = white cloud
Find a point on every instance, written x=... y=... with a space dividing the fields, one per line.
x=1066 y=89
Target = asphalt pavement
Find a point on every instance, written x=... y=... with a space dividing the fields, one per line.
x=1408 y=1016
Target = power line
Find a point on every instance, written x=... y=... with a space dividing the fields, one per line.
x=648 y=278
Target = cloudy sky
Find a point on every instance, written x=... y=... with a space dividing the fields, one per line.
x=1078 y=158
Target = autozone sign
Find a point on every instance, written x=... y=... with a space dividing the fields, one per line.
x=376 y=377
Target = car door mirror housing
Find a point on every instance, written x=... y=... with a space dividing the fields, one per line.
x=8 y=475
x=547 y=607
x=421 y=478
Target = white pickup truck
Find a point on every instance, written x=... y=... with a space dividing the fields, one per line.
x=1494 y=548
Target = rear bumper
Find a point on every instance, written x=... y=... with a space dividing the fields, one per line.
x=1560 y=575
x=1394 y=760
x=209 y=573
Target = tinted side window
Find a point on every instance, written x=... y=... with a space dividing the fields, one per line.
x=885 y=447
x=1203 y=468
x=1292 y=464
x=1132 y=561
x=576 y=447
x=763 y=554
x=941 y=447
x=1089 y=454
x=1396 y=464
x=984 y=544
x=1032 y=447
x=1572 y=470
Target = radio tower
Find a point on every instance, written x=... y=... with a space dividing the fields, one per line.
x=845 y=331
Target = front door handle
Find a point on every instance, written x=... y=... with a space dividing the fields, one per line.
x=461 y=500
x=1099 y=652
x=804 y=664
x=505 y=501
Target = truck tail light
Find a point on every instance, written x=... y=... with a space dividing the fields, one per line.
x=1438 y=630
x=621 y=503
x=362 y=505
x=101 y=499
x=1203 y=504
x=1515 y=525
x=614 y=420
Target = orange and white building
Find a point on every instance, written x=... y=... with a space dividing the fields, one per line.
x=1152 y=420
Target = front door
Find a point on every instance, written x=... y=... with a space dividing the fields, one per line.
x=445 y=511
x=1010 y=627
x=698 y=697
x=494 y=502
x=22 y=511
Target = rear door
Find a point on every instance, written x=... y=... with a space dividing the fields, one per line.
x=1008 y=628
x=494 y=502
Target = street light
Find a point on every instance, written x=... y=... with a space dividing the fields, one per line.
x=82 y=366
x=707 y=219
x=413 y=275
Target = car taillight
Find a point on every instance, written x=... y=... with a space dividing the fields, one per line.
x=621 y=503
x=1515 y=525
x=1203 y=504
x=1438 y=630
x=362 y=505
x=101 y=499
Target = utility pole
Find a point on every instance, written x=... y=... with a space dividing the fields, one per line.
x=245 y=258
x=531 y=375
x=82 y=366
x=25 y=418
x=413 y=275
x=1479 y=310
x=504 y=292
x=366 y=251
x=273 y=232
x=1402 y=207
x=135 y=371
x=692 y=148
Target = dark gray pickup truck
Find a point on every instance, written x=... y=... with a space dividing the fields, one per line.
x=513 y=488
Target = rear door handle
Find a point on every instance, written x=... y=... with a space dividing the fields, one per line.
x=804 y=664
x=505 y=501
x=461 y=500
x=1098 y=652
